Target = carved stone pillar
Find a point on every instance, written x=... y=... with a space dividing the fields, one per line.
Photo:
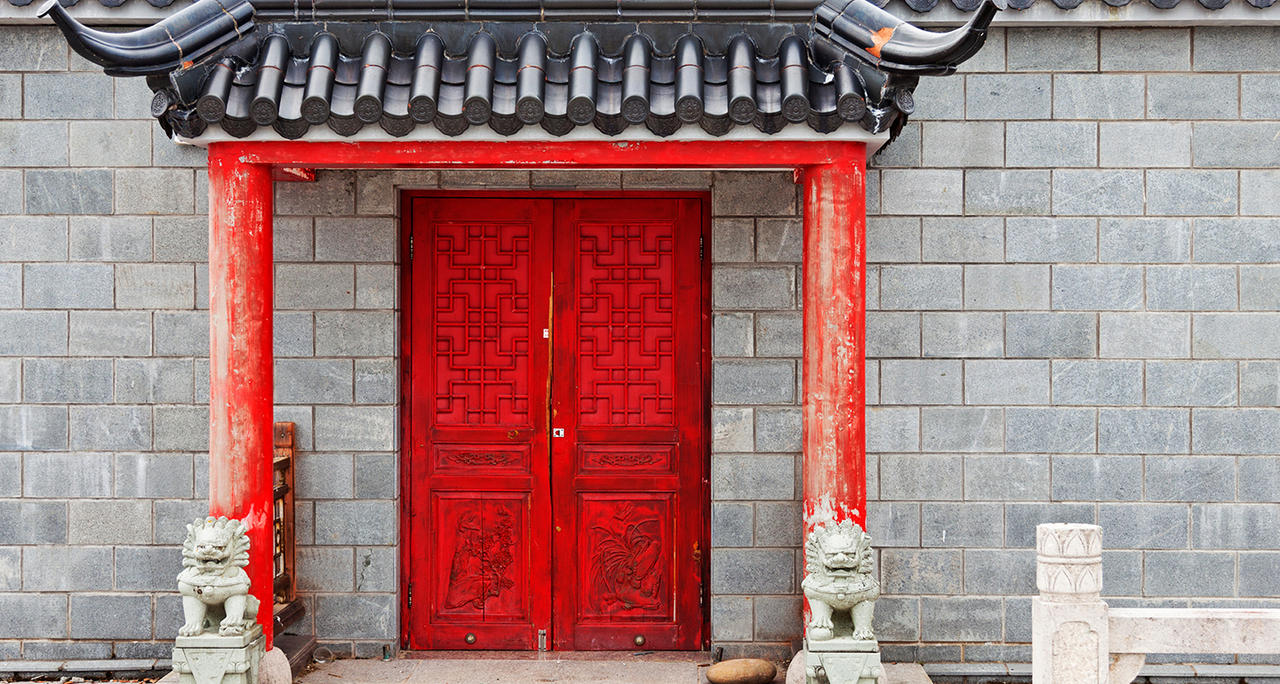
x=1069 y=640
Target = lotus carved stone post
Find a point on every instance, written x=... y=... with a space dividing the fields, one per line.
x=1069 y=637
x=220 y=641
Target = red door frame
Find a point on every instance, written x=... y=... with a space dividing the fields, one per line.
x=409 y=329
x=240 y=216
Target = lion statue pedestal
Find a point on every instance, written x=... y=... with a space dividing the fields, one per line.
x=840 y=644
x=220 y=641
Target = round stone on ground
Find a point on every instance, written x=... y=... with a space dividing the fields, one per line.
x=742 y=671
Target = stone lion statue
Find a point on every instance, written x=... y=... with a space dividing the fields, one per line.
x=841 y=577
x=214 y=585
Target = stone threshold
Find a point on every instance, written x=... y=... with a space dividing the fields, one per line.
x=109 y=665
x=1234 y=671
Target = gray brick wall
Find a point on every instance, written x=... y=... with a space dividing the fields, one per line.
x=1078 y=335
x=1073 y=316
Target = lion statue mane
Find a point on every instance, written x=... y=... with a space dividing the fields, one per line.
x=214 y=585
x=841 y=576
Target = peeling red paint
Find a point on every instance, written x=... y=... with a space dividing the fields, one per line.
x=240 y=359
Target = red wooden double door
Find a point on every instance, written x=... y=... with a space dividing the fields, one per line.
x=557 y=423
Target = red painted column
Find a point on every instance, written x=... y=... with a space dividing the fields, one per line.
x=835 y=267
x=240 y=358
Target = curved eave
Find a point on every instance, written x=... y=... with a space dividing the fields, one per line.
x=533 y=134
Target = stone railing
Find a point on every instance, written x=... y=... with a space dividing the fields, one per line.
x=1077 y=639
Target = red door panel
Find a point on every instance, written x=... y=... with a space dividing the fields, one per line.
x=578 y=315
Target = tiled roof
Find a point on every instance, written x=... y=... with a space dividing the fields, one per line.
x=716 y=87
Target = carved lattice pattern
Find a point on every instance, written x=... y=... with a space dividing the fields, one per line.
x=482 y=323
x=626 y=317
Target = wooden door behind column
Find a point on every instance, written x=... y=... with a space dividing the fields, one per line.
x=479 y=493
x=629 y=395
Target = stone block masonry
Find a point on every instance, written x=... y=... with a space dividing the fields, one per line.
x=1073 y=317
x=1129 y=314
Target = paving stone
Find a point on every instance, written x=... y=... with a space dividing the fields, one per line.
x=1258 y=288
x=961 y=618
x=154 y=476
x=931 y=287
x=1245 y=48
x=110 y=143
x=1123 y=570
x=732 y=334
x=66 y=568
x=954 y=239
x=150 y=381
x=779 y=334
x=343 y=523
x=893 y=239
x=1051 y=144
x=1233 y=145
x=732 y=618
x=1144 y=335
x=779 y=239
x=68 y=286
x=1021 y=519
x=10 y=475
x=1236 y=335
x=47 y=96
x=961 y=429
x=1000 y=571
x=1007 y=193
x=154 y=191
x=1191 y=288
x=753 y=193
x=75 y=475
x=1050 y=430
x=33 y=143
x=1098 y=193
x=110 y=428
x=355 y=333
x=778 y=429
x=961 y=524
x=375 y=381
x=914 y=477
x=1144 y=431
x=182 y=238
x=1006 y=478
x=1191 y=383
x=33 y=238
x=66 y=650
x=922 y=571
x=144 y=568
x=293 y=238
x=376 y=476
x=1007 y=382
x=34 y=616
x=1097 y=383
x=752 y=571
x=332 y=194
x=962 y=143
x=1191 y=192
x=155 y=286
x=107 y=616
x=1051 y=240
x=33 y=428
x=121 y=521
x=752 y=478
x=893 y=524
x=1144 y=240
x=1189 y=573
x=107 y=333
x=313 y=381
x=1144 y=144
x=1233 y=526
x=733 y=239
x=293 y=334
x=921 y=382
x=67 y=381
x=110 y=238
x=753 y=287
x=1172 y=478
x=1257 y=573
x=1144 y=525
x=902 y=151
x=893 y=429
x=1145 y=49
x=1050 y=335
x=68 y=191
x=956 y=335
x=1234 y=431
x=1259 y=193
x=1008 y=96
x=375 y=286
x=1260 y=96
x=1076 y=96
x=355 y=428
x=732 y=524
x=1097 y=478
x=918 y=192
x=1192 y=96
x=1257 y=476
x=356 y=239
